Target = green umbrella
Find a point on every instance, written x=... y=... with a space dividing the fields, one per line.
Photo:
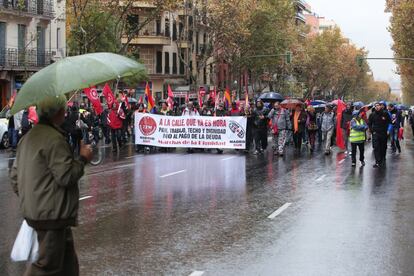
x=74 y=73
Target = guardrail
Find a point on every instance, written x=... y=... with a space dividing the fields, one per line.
x=12 y=58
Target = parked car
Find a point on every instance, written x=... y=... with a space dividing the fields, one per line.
x=4 y=137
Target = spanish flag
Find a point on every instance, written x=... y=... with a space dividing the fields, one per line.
x=148 y=98
x=227 y=98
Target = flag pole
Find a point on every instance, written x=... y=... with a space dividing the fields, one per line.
x=76 y=92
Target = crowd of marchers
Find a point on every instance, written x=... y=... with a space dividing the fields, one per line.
x=299 y=126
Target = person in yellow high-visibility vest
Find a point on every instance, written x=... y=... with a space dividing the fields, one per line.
x=357 y=137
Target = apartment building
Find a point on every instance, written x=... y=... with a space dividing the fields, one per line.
x=317 y=24
x=32 y=35
x=170 y=46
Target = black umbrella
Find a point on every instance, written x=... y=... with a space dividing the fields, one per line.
x=271 y=97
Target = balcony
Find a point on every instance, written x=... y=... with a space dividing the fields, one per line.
x=19 y=60
x=28 y=8
x=149 y=38
x=300 y=4
x=300 y=17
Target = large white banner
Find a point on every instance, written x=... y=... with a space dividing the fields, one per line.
x=190 y=132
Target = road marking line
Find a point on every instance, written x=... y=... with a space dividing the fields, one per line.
x=171 y=174
x=228 y=158
x=85 y=197
x=321 y=178
x=342 y=161
x=110 y=169
x=279 y=211
x=197 y=273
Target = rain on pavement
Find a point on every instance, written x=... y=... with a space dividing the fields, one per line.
x=210 y=214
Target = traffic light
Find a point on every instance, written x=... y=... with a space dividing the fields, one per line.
x=360 y=61
x=288 y=57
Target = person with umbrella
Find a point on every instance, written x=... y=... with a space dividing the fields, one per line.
x=260 y=127
x=45 y=177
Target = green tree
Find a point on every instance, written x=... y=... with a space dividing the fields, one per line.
x=328 y=66
x=402 y=31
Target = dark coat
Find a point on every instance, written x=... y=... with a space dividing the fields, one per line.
x=302 y=121
x=45 y=176
x=378 y=122
x=346 y=119
x=258 y=122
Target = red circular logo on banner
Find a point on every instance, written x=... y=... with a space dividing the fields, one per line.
x=94 y=93
x=147 y=125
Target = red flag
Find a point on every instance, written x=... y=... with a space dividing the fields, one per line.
x=12 y=98
x=201 y=93
x=170 y=92
x=170 y=100
x=109 y=96
x=140 y=101
x=213 y=94
x=149 y=98
x=339 y=138
x=125 y=100
x=92 y=95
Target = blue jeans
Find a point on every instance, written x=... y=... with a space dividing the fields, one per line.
x=13 y=137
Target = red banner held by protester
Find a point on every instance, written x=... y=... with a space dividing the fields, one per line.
x=109 y=96
x=339 y=136
x=92 y=95
x=170 y=99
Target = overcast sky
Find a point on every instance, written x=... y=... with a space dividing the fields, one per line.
x=365 y=23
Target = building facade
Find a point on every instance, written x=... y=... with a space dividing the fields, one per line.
x=32 y=35
x=169 y=46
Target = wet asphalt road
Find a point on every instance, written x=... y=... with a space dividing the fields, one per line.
x=177 y=213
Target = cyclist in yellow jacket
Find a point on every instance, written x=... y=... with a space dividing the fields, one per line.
x=357 y=137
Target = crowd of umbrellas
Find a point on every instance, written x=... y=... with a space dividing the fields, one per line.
x=290 y=103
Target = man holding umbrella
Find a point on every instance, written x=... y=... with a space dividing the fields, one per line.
x=45 y=176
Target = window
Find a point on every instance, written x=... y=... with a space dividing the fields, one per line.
x=167 y=27
x=197 y=43
x=158 y=26
x=21 y=44
x=21 y=36
x=180 y=32
x=158 y=68
x=41 y=46
x=167 y=63
x=58 y=34
x=174 y=65
x=132 y=23
x=2 y=43
x=40 y=6
x=175 y=31
x=182 y=64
